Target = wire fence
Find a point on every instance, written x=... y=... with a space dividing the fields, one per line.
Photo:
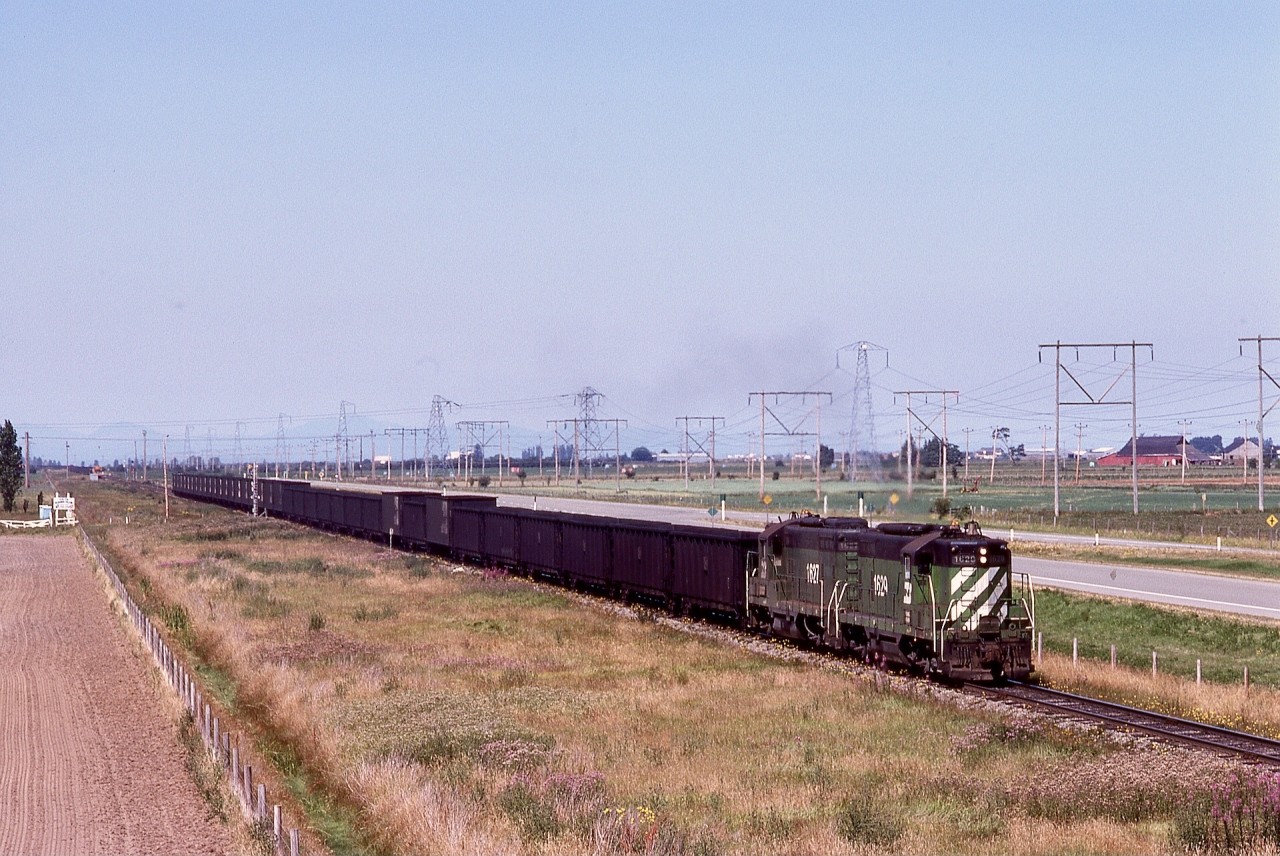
x=222 y=745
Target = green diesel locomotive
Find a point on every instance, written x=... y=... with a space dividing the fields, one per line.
x=937 y=600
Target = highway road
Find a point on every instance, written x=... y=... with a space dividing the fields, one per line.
x=1196 y=590
x=1216 y=592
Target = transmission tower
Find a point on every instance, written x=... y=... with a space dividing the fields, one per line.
x=590 y=445
x=186 y=448
x=342 y=443
x=437 y=432
x=239 y=450
x=864 y=459
x=282 y=445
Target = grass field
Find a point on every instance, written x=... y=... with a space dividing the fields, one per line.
x=415 y=707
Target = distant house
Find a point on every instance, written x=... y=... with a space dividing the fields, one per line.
x=1155 y=452
x=1240 y=451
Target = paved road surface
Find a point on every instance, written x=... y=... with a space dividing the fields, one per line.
x=89 y=760
x=1200 y=591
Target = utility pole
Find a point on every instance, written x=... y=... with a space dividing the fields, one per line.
x=787 y=430
x=555 y=447
x=1244 y=451
x=913 y=417
x=401 y=432
x=705 y=444
x=165 y=452
x=967 y=432
x=144 y=455
x=1079 y=447
x=1044 y=447
x=26 y=469
x=414 y=432
x=481 y=433
x=1262 y=374
x=995 y=436
x=1185 y=423
x=1060 y=370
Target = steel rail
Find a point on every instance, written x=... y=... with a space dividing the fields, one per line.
x=1203 y=735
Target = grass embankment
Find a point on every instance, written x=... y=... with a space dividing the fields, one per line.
x=1223 y=645
x=417 y=709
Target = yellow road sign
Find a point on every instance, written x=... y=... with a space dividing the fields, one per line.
x=1272 y=521
x=767 y=499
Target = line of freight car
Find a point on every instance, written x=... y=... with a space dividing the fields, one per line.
x=681 y=567
x=933 y=599
x=417 y=520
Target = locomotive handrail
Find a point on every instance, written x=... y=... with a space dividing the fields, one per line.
x=833 y=605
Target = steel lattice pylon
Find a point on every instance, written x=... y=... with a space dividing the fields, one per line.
x=590 y=444
x=437 y=450
x=864 y=458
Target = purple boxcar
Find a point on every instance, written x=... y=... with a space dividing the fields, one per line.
x=709 y=567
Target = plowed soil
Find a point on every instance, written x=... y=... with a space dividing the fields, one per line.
x=89 y=757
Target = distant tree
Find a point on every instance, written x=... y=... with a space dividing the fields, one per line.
x=1208 y=445
x=1017 y=453
x=640 y=453
x=826 y=456
x=931 y=453
x=998 y=436
x=10 y=465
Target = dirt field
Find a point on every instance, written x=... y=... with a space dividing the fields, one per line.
x=89 y=757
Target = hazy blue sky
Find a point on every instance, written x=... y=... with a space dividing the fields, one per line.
x=216 y=212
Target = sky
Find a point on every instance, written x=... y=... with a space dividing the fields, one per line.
x=212 y=214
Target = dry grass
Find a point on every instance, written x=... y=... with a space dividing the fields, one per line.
x=468 y=712
x=1255 y=709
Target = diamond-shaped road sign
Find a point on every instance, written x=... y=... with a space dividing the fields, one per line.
x=1272 y=521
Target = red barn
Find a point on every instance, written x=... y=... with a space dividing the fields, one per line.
x=1155 y=452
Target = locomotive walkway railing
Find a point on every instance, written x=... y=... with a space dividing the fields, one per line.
x=222 y=745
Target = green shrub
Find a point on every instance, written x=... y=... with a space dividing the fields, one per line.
x=860 y=820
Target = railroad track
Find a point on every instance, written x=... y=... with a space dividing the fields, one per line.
x=1224 y=741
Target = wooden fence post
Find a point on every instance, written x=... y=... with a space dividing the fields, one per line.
x=1113 y=656
x=1197 y=672
x=1075 y=651
x=1153 y=663
x=293 y=842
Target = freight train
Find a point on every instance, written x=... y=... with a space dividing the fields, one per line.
x=932 y=599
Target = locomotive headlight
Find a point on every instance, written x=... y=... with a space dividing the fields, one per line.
x=982 y=555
